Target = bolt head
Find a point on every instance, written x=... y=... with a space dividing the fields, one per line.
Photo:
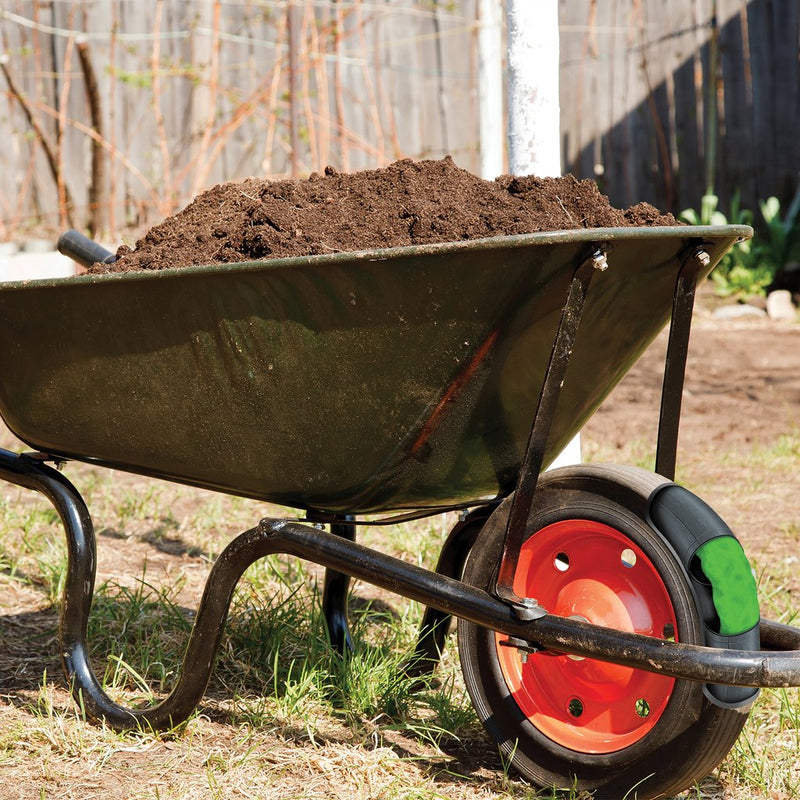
x=703 y=258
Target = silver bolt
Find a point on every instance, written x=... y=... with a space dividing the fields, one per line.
x=703 y=258
x=526 y=608
x=600 y=261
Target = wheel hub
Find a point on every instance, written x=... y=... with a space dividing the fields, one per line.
x=590 y=571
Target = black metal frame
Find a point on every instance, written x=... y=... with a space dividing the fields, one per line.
x=335 y=591
x=522 y=501
x=441 y=590
x=675 y=364
x=692 y=262
x=338 y=553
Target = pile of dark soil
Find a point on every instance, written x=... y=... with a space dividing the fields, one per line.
x=406 y=203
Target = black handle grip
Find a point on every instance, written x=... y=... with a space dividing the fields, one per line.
x=84 y=250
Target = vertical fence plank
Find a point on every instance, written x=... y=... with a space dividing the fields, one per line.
x=785 y=69
x=736 y=169
x=760 y=25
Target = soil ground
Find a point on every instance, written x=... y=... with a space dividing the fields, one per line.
x=741 y=403
x=739 y=451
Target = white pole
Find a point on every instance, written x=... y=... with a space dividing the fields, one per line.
x=490 y=87
x=533 y=115
x=534 y=125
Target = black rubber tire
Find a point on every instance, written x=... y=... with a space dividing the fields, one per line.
x=691 y=737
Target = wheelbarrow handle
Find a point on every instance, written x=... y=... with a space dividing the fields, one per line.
x=84 y=250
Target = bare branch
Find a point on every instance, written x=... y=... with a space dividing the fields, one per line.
x=39 y=134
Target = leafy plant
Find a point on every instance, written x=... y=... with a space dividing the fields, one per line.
x=750 y=267
x=782 y=240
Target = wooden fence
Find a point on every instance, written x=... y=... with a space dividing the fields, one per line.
x=113 y=114
x=664 y=100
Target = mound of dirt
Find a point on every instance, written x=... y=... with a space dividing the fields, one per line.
x=407 y=203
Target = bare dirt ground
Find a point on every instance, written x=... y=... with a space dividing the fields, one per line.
x=739 y=450
x=739 y=425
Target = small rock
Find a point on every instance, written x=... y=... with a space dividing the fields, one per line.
x=738 y=311
x=780 y=306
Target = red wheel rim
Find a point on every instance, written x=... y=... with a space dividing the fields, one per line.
x=588 y=570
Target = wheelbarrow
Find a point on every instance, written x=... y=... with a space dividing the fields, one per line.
x=608 y=624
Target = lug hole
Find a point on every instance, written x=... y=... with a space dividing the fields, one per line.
x=575 y=707
x=642 y=708
x=628 y=558
x=561 y=562
x=669 y=632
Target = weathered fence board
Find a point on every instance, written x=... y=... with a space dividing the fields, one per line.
x=193 y=93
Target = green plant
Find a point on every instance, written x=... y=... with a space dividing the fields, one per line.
x=782 y=240
x=736 y=272
x=750 y=267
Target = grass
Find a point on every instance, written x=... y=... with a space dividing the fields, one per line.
x=277 y=684
x=773 y=729
x=284 y=716
x=637 y=452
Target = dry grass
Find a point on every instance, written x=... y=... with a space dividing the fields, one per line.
x=276 y=722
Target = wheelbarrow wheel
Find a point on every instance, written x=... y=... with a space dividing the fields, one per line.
x=571 y=723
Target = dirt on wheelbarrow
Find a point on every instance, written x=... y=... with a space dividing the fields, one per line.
x=407 y=203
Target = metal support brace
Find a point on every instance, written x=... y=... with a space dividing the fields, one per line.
x=675 y=365
x=522 y=502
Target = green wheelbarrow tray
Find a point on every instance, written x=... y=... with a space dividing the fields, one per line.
x=351 y=382
x=424 y=378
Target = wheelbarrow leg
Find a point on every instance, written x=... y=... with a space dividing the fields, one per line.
x=436 y=624
x=31 y=472
x=334 y=594
x=675 y=363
